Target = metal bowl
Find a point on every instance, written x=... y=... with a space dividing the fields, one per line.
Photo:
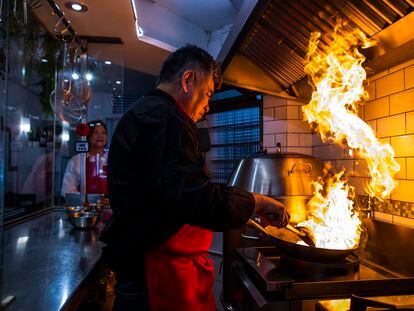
x=75 y=209
x=84 y=220
x=96 y=207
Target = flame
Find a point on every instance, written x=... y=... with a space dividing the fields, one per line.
x=332 y=217
x=338 y=78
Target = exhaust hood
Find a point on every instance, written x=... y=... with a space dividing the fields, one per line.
x=267 y=52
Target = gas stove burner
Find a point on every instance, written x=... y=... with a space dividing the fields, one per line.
x=310 y=270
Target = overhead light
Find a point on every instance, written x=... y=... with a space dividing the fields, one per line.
x=89 y=76
x=24 y=125
x=75 y=76
x=44 y=60
x=65 y=135
x=118 y=82
x=108 y=62
x=76 y=6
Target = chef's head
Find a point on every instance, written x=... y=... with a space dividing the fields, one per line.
x=97 y=135
x=190 y=75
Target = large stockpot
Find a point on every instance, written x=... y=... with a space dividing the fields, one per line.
x=286 y=177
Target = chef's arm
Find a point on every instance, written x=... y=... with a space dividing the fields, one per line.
x=271 y=211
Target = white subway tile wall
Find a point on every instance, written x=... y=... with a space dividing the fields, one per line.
x=286 y=127
x=273 y=101
x=390 y=112
x=409 y=122
x=268 y=114
x=273 y=127
x=377 y=108
x=293 y=139
x=293 y=112
x=302 y=150
x=269 y=140
x=391 y=126
x=280 y=113
x=402 y=174
x=410 y=168
x=390 y=84
x=409 y=77
x=402 y=102
x=305 y=140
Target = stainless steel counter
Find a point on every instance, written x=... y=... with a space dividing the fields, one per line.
x=45 y=261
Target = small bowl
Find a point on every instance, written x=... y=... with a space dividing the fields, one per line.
x=97 y=207
x=75 y=209
x=84 y=220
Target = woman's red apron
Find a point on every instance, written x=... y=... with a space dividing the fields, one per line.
x=96 y=177
x=180 y=276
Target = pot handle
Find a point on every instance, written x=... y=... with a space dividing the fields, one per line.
x=300 y=168
x=253 y=224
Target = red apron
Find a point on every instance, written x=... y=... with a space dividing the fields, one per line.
x=180 y=276
x=96 y=178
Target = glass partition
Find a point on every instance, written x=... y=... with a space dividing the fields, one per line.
x=28 y=123
x=36 y=143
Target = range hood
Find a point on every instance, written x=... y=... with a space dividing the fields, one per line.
x=267 y=52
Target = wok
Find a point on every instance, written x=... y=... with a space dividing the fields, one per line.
x=286 y=241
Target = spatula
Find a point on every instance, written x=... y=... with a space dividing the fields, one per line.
x=303 y=233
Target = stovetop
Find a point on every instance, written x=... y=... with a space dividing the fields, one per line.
x=264 y=266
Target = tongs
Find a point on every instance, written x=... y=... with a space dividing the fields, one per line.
x=305 y=235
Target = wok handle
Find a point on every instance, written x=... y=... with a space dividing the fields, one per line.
x=294 y=230
x=254 y=224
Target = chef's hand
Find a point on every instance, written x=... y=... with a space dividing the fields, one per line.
x=270 y=211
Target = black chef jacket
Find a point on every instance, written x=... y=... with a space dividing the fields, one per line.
x=158 y=181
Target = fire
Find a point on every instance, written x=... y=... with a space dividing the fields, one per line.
x=338 y=78
x=332 y=217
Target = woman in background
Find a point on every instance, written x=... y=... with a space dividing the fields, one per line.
x=97 y=139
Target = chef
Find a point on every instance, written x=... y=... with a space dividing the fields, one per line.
x=96 y=163
x=165 y=208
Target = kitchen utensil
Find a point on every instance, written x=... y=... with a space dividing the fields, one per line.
x=81 y=87
x=82 y=90
x=25 y=12
x=66 y=106
x=1 y=10
x=305 y=235
x=286 y=241
x=85 y=220
x=60 y=28
x=74 y=209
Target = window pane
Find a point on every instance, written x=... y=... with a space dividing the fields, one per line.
x=234 y=135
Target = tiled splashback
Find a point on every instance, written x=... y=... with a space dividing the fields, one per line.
x=389 y=111
x=282 y=123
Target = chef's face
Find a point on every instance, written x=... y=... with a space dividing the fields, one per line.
x=198 y=90
x=97 y=139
